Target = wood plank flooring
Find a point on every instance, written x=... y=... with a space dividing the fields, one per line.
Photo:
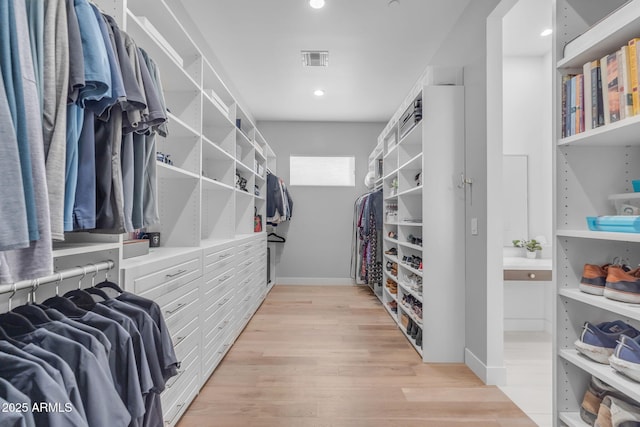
x=330 y=356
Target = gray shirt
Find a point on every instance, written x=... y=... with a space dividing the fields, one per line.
x=11 y=394
x=56 y=315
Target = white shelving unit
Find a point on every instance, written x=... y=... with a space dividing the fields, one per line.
x=590 y=166
x=430 y=208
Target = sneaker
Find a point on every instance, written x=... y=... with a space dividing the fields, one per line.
x=392 y=251
x=594 y=278
x=596 y=391
x=616 y=412
x=598 y=342
x=622 y=285
x=626 y=357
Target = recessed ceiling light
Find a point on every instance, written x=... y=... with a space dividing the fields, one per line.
x=316 y=4
x=546 y=32
x=318 y=92
x=393 y=3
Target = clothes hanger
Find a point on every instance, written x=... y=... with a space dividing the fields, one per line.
x=33 y=313
x=7 y=338
x=15 y=324
x=65 y=306
x=97 y=294
x=81 y=299
x=277 y=238
x=110 y=288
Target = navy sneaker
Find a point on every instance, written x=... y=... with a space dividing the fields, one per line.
x=623 y=286
x=598 y=342
x=626 y=357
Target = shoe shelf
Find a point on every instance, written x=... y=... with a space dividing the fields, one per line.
x=410 y=291
x=411 y=269
x=394 y=197
x=393 y=315
x=414 y=163
x=415 y=191
x=409 y=224
x=388 y=239
x=631 y=311
x=604 y=372
x=391 y=223
x=389 y=294
x=409 y=312
x=391 y=276
x=411 y=340
x=409 y=245
x=391 y=258
x=600 y=235
x=572 y=419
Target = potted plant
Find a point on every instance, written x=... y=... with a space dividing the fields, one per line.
x=532 y=246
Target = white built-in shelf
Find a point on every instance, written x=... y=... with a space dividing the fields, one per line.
x=244 y=193
x=261 y=156
x=390 y=151
x=623 y=309
x=414 y=163
x=242 y=166
x=408 y=290
x=410 y=224
x=388 y=239
x=394 y=197
x=600 y=235
x=393 y=315
x=416 y=191
x=157 y=254
x=391 y=276
x=213 y=115
x=169 y=171
x=393 y=224
x=410 y=245
x=411 y=340
x=411 y=269
x=391 y=174
x=261 y=178
x=211 y=150
x=621 y=133
x=179 y=128
x=260 y=198
x=409 y=312
x=180 y=80
x=209 y=243
x=604 y=372
x=414 y=136
x=572 y=419
x=63 y=249
x=244 y=139
x=386 y=290
x=212 y=184
x=604 y=37
x=391 y=258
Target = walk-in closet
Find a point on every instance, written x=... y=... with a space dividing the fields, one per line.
x=319 y=213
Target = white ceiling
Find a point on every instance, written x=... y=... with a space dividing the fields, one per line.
x=376 y=54
x=522 y=26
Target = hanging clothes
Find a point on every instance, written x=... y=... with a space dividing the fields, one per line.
x=279 y=201
x=366 y=255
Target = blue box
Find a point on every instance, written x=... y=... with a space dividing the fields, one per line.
x=636 y=185
x=615 y=223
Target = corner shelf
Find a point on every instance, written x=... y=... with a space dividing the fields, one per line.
x=631 y=311
x=63 y=249
x=600 y=235
x=572 y=419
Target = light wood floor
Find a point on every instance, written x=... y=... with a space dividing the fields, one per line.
x=331 y=356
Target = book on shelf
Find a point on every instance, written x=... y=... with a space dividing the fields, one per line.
x=597 y=109
x=566 y=105
x=624 y=83
x=633 y=73
x=572 y=105
x=612 y=87
x=579 y=103
x=586 y=97
x=605 y=89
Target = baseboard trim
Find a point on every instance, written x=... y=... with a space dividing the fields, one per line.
x=326 y=281
x=490 y=375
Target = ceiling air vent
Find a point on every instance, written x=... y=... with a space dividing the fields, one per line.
x=315 y=58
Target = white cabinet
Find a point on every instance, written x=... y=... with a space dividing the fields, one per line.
x=423 y=158
x=590 y=166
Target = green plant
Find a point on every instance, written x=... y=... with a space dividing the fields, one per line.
x=530 y=245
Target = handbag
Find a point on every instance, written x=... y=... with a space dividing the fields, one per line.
x=257 y=221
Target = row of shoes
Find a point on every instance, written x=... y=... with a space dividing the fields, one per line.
x=393 y=306
x=392 y=267
x=392 y=286
x=614 y=281
x=414 y=240
x=392 y=251
x=413 y=282
x=411 y=303
x=612 y=343
x=414 y=331
x=604 y=406
x=413 y=261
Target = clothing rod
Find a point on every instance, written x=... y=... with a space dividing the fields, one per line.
x=57 y=277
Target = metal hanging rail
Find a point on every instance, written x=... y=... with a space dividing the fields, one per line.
x=57 y=277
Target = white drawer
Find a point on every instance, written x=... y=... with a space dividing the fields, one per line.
x=212 y=336
x=176 y=399
x=216 y=286
x=170 y=274
x=222 y=303
x=181 y=311
x=186 y=338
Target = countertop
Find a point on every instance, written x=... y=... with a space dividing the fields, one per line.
x=521 y=263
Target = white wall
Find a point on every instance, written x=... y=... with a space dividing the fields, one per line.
x=527 y=130
x=318 y=247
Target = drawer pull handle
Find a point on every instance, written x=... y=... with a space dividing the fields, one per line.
x=532 y=275
x=224 y=348
x=224 y=256
x=178 y=341
x=175 y=379
x=177 y=273
x=225 y=323
x=226 y=300
x=247 y=264
x=223 y=279
x=178 y=406
x=178 y=308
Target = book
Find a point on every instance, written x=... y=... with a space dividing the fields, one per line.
x=605 y=91
x=587 y=98
x=633 y=74
x=566 y=83
x=612 y=87
x=579 y=94
x=597 y=110
x=572 y=106
x=624 y=83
